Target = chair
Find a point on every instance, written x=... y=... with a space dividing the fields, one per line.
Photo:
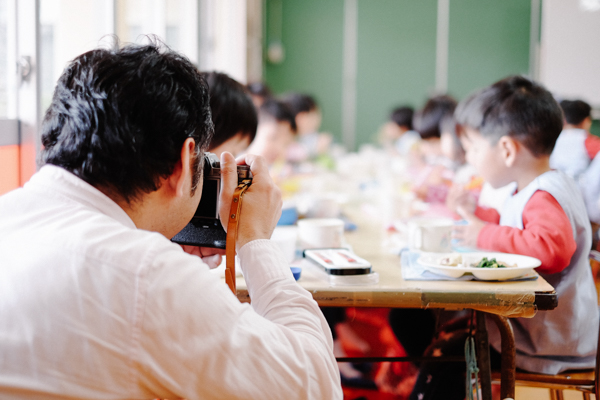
x=585 y=381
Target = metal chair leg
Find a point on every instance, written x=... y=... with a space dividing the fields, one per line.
x=507 y=337
x=483 y=357
x=556 y=394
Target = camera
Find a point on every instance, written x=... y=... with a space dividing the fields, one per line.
x=205 y=228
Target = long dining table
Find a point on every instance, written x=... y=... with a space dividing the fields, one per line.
x=496 y=301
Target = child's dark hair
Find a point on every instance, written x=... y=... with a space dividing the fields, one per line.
x=427 y=120
x=517 y=107
x=403 y=117
x=300 y=102
x=575 y=111
x=277 y=110
x=259 y=89
x=232 y=109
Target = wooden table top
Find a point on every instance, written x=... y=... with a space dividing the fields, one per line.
x=511 y=299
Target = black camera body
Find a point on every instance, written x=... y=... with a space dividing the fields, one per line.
x=205 y=228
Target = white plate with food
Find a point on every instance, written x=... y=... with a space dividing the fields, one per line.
x=489 y=266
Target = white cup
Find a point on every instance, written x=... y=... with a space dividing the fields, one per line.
x=285 y=238
x=430 y=234
x=314 y=233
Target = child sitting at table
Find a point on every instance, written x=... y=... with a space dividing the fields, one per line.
x=511 y=128
x=433 y=180
x=233 y=114
x=275 y=132
x=398 y=134
x=259 y=92
x=576 y=147
x=576 y=153
x=310 y=143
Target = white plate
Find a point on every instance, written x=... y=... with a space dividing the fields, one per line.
x=525 y=265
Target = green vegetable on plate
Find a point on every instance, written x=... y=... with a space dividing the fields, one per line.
x=491 y=263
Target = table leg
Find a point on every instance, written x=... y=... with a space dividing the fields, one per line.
x=508 y=366
x=483 y=357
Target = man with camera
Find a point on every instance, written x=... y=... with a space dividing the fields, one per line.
x=97 y=302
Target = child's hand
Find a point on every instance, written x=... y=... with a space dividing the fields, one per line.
x=467 y=235
x=458 y=196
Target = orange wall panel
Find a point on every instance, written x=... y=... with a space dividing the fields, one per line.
x=9 y=168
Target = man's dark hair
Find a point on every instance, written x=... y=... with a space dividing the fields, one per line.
x=119 y=118
x=427 y=120
x=575 y=111
x=232 y=109
x=403 y=116
x=300 y=102
x=278 y=111
x=517 y=107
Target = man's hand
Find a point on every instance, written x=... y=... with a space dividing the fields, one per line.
x=209 y=256
x=467 y=234
x=261 y=204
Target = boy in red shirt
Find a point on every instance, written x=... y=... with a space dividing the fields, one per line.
x=509 y=130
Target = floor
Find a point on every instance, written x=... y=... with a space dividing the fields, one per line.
x=523 y=393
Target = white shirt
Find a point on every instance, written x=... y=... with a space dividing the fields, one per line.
x=589 y=183
x=91 y=307
x=406 y=143
x=569 y=154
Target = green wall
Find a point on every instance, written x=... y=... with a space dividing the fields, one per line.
x=595 y=129
x=396 y=59
x=312 y=35
x=488 y=40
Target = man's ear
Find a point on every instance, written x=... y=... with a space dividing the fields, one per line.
x=182 y=171
x=508 y=148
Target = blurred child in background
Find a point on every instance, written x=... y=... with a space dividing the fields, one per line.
x=309 y=143
x=233 y=114
x=576 y=147
x=398 y=133
x=576 y=153
x=259 y=92
x=433 y=180
x=275 y=132
x=589 y=182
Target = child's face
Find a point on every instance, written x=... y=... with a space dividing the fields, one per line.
x=234 y=145
x=308 y=122
x=485 y=157
x=272 y=140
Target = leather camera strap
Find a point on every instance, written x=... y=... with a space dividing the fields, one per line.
x=232 y=228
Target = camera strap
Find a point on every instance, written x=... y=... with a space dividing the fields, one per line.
x=232 y=229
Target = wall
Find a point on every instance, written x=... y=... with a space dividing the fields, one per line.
x=311 y=33
x=489 y=40
x=396 y=59
x=570 y=57
x=396 y=52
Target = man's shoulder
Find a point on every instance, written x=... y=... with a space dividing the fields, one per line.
x=65 y=228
